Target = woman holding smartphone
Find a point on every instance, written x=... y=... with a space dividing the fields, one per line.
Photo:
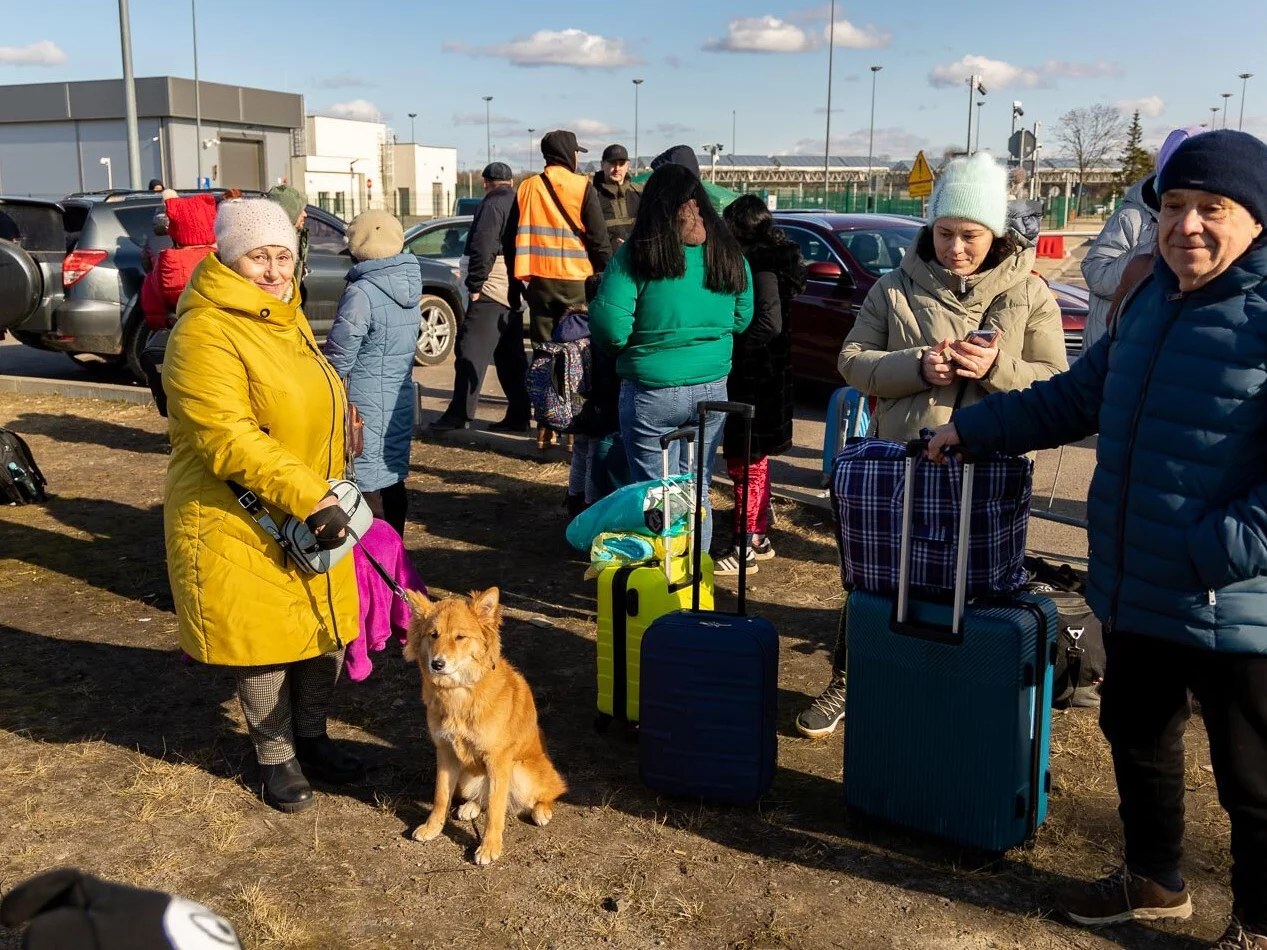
x=962 y=317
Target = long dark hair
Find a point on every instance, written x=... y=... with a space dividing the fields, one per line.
x=765 y=246
x=655 y=247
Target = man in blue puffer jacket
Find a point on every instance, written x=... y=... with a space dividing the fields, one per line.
x=1178 y=526
x=371 y=345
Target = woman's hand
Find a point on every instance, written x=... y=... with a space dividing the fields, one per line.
x=975 y=361
x=943 y=438
x=936 y=367
x=328 y=522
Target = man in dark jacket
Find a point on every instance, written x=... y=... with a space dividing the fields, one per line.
x=617 y=194
x=1177 y=521
x=491 y=329
x=561 y=244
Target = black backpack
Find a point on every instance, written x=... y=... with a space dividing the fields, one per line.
x=1080 y=658
x=21 y=481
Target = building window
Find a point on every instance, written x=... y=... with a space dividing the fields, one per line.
x=323 y=200
x=405 y=207
x=339 y=198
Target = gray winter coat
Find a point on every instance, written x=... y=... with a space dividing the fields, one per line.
x=1131 y=230
x=371 y=345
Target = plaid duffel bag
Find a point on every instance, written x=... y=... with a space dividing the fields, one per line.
x=868 y=481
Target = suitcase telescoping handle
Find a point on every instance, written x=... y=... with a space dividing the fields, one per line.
x=746 y=412
x=914 y=451
x=686 y=435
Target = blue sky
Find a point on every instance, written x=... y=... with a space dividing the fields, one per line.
x=570 y=65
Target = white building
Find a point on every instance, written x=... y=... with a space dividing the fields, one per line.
x=343 y=168
x=426 y=180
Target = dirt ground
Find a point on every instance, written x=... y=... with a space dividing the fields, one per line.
x=118 y=757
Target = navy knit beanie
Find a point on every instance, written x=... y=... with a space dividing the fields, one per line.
x=1224 y=162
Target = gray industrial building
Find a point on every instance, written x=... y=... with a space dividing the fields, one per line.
x=54 y=136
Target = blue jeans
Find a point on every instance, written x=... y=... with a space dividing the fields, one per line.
x=646 y=414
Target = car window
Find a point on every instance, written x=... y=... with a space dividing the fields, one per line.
x=445 y=241
x=34 y=227
x=878 y=250
x=813 y=248
x=137 y=221
x=324 y=237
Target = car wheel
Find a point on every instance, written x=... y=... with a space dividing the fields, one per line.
x=21 y=285
x=135 y=333
x=437 y=333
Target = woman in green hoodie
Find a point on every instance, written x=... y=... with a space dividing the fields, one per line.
x=672 y=300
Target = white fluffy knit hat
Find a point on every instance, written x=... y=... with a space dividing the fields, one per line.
x=244 y=224
x=974 y=188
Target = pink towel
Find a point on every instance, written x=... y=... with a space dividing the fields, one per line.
x=383 y=614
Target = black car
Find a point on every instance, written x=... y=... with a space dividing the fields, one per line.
x=85 y=268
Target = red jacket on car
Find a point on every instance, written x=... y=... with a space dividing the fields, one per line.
x=191 y=225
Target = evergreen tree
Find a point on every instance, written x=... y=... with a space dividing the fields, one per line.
x=1137 y=163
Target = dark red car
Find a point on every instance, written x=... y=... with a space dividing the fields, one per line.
x=846 y=254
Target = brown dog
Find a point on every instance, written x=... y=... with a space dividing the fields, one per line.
x=483 y=721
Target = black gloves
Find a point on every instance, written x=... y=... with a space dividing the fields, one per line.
x=69 y=910
x=328 y=525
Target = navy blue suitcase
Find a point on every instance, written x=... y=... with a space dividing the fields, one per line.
x=947 y=713
x=709 y=689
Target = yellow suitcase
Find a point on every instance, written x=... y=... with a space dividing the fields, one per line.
x=630 y=597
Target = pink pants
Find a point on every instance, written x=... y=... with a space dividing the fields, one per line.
x=758 y=489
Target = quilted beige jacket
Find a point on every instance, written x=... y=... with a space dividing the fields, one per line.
x=921 y=303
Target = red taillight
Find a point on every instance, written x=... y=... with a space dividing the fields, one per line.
x=79 y=263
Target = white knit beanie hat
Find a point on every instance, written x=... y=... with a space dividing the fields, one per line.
x=248 y=223
x=974 y=188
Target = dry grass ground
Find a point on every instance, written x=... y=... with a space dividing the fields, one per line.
x=118 y=757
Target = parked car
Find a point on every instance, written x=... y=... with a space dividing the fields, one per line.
x=34 y=239
x=846 y=254
x=96 y=309
x=442 y=239
x=466 y=206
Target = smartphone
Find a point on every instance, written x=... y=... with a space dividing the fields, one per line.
x=981 y=337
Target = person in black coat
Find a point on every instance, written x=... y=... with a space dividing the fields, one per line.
x=761 y=372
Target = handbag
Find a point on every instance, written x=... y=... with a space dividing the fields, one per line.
x=355 y=427
x=295 y=537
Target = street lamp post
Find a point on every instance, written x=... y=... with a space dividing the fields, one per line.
x=713 y=148
x=831 y=48
x=105 y=160
x=636 y=84
x=1033 y=157
x=488 y=128
x=871 y=143
x=1244 y=78
x=530 y=131
x=413 y=139
x=129 y=96
x=974 y=86
x=977 y=147
x=1226 y=96
x=193 y=15
x=1214 y=117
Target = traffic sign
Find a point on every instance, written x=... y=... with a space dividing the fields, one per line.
x=920 y=180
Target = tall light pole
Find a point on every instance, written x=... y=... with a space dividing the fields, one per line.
x=412 y=137
x=488 y=128
x=974 y=86
x=636 y=84
x=871 y=142
x=1226 y=96
x=105 y=160
x=1244 y=78
x=1033 y=156
x=831 y=49
x=1214 y=117
x=713 y=148
x=530 y=131
x=129 y=97
x=733 y=120
x=193 y=14
x=977 y=146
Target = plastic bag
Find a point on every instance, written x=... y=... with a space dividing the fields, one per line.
x=637 y=509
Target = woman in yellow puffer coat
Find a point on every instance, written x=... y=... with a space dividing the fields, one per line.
x=252 y=400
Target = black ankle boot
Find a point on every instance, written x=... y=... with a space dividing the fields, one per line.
x=327 y=761
x=284 y=786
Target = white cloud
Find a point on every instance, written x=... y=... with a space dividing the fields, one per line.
x=1150 y=106
x=570 y=47
x=894 y=141
x=361 y=109
x=997 y=74
x=479 y=118
x=587 y=128
x=857 y=37
x=763 y=34
x=43 y=53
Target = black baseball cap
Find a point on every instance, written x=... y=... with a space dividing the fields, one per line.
x=498 y=171
x=615 y=153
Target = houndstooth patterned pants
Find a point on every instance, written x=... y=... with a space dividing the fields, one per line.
x=287 y=700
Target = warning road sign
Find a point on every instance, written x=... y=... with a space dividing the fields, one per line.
x=920 y=180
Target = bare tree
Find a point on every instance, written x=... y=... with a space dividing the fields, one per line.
x=1089 y=136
